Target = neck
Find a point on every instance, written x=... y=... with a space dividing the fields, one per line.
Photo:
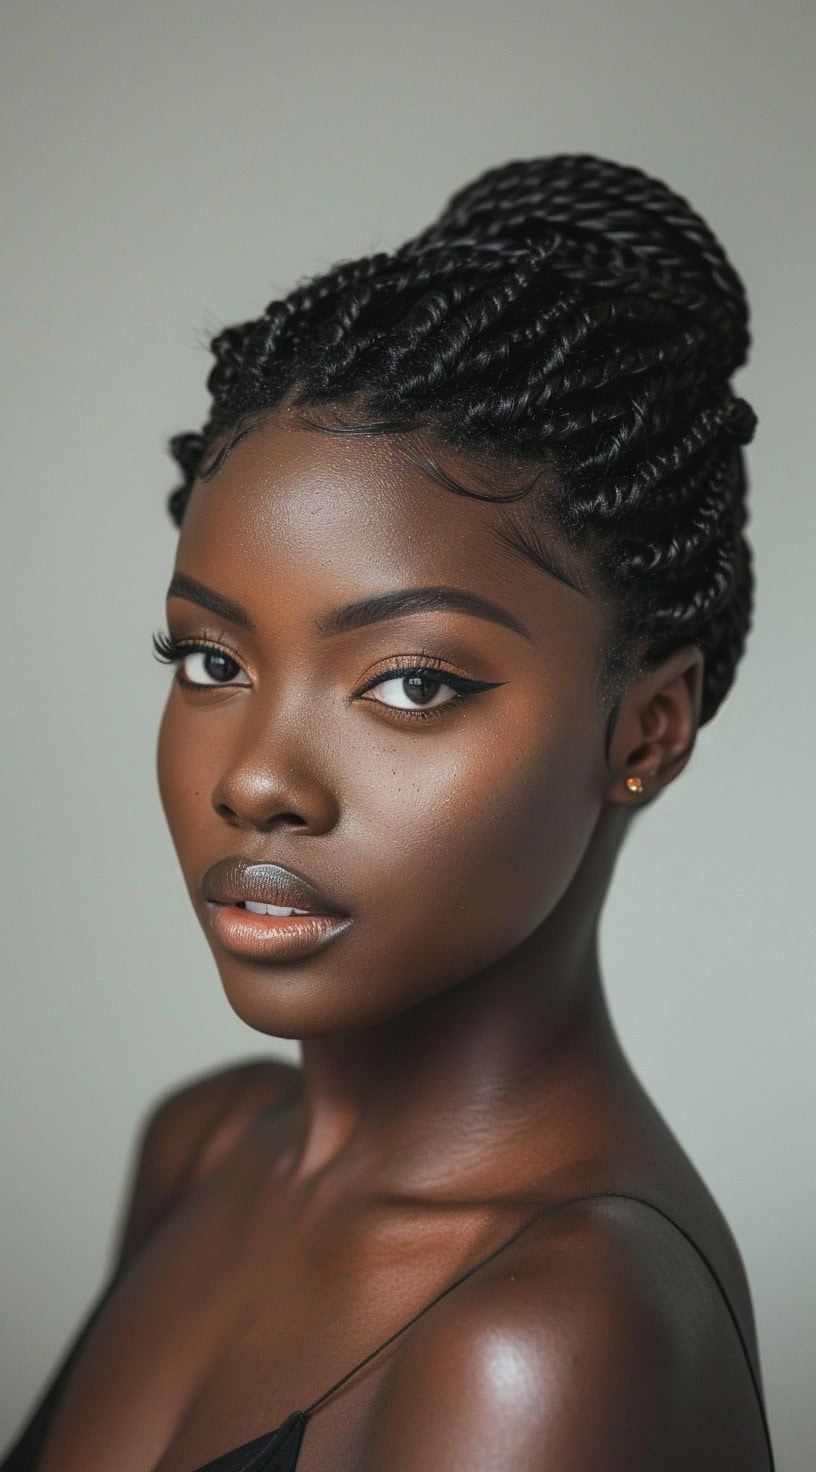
x=481 y=1080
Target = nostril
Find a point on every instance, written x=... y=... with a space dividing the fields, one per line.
x=224 y=811
x=265 y=825
x=287 y=820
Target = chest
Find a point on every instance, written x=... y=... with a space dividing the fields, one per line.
x=231 y=1317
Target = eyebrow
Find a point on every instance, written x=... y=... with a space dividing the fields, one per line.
x=397 y=604
x=182 y=586
x=404 y=601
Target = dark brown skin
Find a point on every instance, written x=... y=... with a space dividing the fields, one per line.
x=459 y=1065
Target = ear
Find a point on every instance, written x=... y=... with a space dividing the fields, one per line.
x=656 y=727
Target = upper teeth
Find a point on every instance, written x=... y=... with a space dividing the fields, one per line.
x=272 y=909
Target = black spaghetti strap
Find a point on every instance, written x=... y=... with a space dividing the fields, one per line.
x=279 y=1449
x=550 y=1209
x=624 y=1196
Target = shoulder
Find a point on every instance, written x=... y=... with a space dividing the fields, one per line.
x=187 y=1131
x=586 y=1345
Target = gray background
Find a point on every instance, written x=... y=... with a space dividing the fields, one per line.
x=169 y=167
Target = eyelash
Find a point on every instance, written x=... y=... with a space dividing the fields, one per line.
x=172 y=651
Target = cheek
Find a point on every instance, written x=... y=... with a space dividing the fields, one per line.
x=521 y=841
x=185 y=776
x=472 y=851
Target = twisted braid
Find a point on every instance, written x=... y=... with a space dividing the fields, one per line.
x=567 y=310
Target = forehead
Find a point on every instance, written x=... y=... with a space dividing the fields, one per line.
x=348 y=515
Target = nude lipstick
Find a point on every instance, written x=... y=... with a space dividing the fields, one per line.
x=266 y=912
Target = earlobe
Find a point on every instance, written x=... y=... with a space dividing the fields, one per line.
x=655 y=728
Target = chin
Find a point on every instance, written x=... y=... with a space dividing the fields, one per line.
x=292 y=1001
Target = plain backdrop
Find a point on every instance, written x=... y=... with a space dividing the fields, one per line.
x=169 y=167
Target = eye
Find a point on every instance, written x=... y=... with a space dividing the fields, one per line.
x=209 y=667
x=420 y=688
x=199 y=665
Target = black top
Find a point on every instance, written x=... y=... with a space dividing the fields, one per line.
x=278 y=1450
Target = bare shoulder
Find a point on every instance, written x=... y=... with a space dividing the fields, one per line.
x=186 y=1132
x=596 y=1341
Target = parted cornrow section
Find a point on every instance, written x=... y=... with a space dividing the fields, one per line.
x=569 y=311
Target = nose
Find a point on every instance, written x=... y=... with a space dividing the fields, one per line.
x=274 y=780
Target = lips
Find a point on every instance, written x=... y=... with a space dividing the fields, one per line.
x=236 y=881
x=265 y=912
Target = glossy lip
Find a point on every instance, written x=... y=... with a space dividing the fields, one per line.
x=268 y=937
x=272 y=937
x=233 y=879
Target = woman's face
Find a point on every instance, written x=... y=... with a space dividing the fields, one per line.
x=446 y=824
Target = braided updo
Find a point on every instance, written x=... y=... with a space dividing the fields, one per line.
x=567 y=311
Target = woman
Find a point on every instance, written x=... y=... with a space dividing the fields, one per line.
x=461 y=571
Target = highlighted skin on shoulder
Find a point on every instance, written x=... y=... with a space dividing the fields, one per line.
x=577 y=1351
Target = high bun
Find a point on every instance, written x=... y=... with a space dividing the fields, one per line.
x=567 y=311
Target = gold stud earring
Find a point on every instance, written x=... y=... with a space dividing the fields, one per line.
x=634 y=784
